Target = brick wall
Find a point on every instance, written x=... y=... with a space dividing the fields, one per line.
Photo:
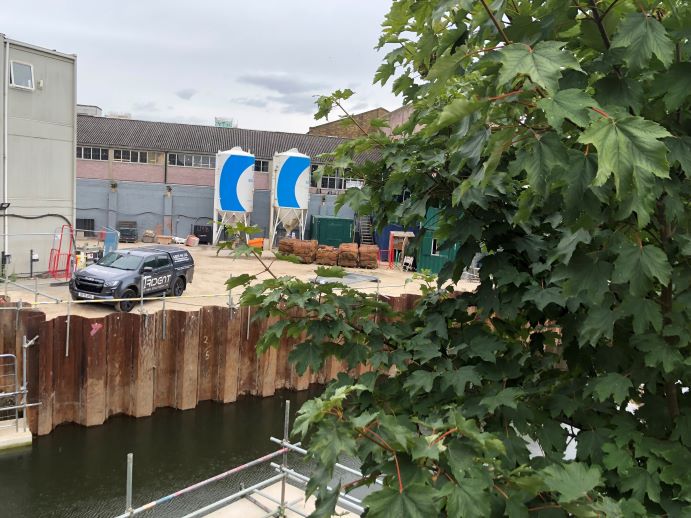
x=347 y=129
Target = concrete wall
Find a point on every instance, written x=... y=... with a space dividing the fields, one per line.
x=149 y=204
x=40 y=174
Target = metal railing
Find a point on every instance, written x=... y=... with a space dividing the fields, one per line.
x=9 y=392
x=284 y=474
x=13 y=396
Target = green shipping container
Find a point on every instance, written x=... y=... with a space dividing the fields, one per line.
x=332 y=231
x=429 y=257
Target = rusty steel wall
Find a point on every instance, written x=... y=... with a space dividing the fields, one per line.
x=125 y=363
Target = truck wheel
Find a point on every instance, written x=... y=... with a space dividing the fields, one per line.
x=126 y=305
x=179 y=287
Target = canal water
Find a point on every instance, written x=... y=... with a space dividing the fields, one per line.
x=79 y=472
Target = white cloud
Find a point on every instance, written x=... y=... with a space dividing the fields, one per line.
x=264 y=72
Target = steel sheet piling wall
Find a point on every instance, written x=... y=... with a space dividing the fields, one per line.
x=122 y=364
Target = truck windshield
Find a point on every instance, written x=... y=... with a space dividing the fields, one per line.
x=121 y=261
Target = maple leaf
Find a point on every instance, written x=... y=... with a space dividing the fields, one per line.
x=543 y=63
x=642 y=36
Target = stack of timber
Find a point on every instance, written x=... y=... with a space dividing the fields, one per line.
x=327 y=255
x=369 y=256
x=285 y=246
x=305 y=250
x=348 y=255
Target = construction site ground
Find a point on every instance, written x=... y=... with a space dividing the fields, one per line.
x=208 y=287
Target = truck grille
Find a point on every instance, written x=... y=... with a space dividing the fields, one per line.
x=95 y=286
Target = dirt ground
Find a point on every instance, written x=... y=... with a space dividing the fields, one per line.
x=208 y=288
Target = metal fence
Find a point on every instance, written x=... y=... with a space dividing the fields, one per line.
x=14 y=398
x=9 y=392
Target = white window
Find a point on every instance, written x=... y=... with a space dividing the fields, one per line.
x=338 y=180
x=435 y=247
x=134 y=157
x=189 y=160
x=22 y=75
x=92 y=153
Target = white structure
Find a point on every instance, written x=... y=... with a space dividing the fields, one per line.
x=234 y=189
x=290 y=191
x=37 y=145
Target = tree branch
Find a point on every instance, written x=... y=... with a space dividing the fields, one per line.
x=598 y=22
x=496 y=22
x=352 y=119
x=608 y=9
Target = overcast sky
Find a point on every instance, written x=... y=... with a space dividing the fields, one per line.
x=260 y=62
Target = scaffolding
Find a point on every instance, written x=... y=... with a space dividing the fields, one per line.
x=284 y=475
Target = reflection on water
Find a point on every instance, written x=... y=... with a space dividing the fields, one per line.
x=80 y=472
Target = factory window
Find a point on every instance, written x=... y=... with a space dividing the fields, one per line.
x=87 y=226
x=261 y=165
x=92 y=153
x=313 y=175
x=337 y=180
x=22 y=75
x=189 y=160
x=134 y=157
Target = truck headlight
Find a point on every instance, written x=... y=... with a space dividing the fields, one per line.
x=111 y=284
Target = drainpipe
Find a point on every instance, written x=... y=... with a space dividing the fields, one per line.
x=5 y=96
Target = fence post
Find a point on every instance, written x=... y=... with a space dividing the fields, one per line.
x=16 y=396
x=164 y=320
x=16 y=317
x=128 y=490
x=67 y=331
x=24 y=385
x=230 y=303
x=284 y=464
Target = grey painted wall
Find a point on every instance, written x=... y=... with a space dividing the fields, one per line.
x=41 y=140
x=148 y=205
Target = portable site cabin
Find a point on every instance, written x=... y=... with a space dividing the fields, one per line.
x=332 y=230
x=430 y=256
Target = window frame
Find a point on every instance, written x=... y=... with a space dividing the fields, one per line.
x=191 y=160
x=434 y=251
x=11 y=78
x=95 y=153
x=261 y=162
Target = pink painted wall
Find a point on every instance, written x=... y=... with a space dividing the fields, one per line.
x=156 y=173
x=92 y=169
x=261 y=181
x=138 y=172
x=190 y=176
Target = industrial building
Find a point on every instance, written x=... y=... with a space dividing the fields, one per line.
x=37 y=147
x=161 y=175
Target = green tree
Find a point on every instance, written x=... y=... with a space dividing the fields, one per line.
x=554 y=135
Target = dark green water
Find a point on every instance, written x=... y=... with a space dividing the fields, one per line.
x=80 y=472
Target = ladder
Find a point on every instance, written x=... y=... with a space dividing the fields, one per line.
x=365 y=224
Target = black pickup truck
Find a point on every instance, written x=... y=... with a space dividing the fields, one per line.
x=126 y=274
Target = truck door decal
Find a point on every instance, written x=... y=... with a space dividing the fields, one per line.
x=154 y=283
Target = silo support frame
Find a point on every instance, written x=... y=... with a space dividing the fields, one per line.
x=278 y=217
x=224 y=218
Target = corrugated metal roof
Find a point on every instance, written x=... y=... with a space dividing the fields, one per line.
x=174 y=137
